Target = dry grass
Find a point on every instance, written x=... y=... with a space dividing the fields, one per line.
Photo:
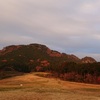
x=32 y=87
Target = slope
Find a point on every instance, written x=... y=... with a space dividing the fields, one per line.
x=33 y=87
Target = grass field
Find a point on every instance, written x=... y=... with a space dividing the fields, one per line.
x=33 y=87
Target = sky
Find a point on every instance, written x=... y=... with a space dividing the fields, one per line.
x=69 y=26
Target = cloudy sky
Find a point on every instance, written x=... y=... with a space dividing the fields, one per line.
x=70 y=26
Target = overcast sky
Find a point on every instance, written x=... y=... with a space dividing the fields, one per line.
x=70 y=26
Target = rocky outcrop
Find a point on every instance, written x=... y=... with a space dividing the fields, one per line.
x=88 y=60
x=8 y=49
x=53 y=53
x=45 y=63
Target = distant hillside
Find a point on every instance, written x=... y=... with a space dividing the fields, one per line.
x=37 y=51
x=35 y=56
x=16 y=59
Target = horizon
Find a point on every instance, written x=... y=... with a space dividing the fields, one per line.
x=69 y=26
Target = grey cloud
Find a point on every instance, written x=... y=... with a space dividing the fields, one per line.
x=71 y=26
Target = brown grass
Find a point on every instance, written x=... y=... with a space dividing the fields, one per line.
x=41 y=88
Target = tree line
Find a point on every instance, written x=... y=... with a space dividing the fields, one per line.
x=70 y=71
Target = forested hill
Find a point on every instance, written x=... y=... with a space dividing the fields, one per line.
x=34 y=51
x=34 y=55
x=38 y=57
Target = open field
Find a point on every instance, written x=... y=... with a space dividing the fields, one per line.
x=33 y=87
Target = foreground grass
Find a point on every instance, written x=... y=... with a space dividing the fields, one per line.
x=33 y=87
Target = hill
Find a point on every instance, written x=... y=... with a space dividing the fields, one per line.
x=88 y=60
x=15 y=59
x=35 y=52
x=33 y=55
x=37 y=55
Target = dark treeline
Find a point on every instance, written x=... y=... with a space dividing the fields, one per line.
x=87 y=72
x=79 y=72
